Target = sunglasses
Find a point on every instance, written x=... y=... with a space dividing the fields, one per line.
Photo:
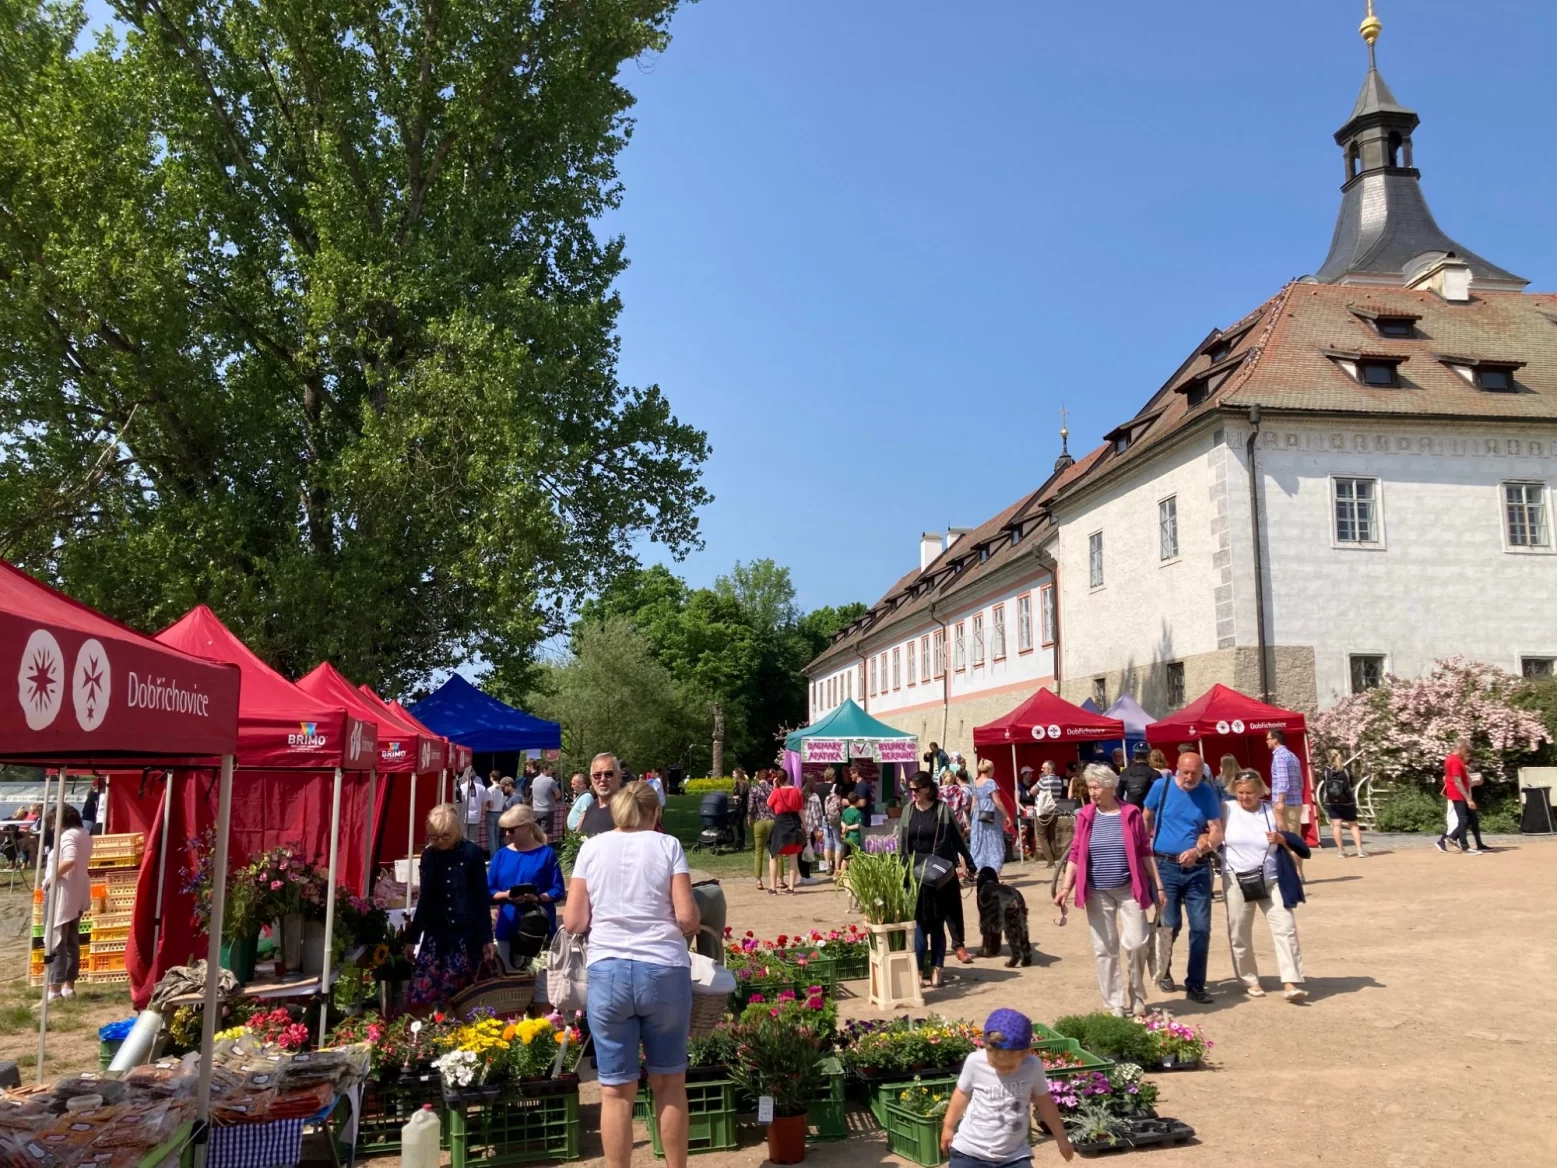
x=601 y=774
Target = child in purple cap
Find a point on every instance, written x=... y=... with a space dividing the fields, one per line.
x=990 y=1113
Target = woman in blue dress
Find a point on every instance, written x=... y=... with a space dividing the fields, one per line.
x=990 y=821
x=524 y=859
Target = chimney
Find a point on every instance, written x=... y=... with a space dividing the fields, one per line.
x=929 y=548
x=953 y=534
x=1449 y=276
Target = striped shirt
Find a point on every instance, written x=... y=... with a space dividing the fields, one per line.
x=1107 y=865
x=1286 y=777
x=1054 y=784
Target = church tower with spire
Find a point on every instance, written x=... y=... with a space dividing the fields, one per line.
x=1385 y=233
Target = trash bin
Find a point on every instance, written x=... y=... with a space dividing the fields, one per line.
x=109 y=1039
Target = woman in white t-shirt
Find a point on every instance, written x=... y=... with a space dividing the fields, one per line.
x=632 y=893
x=1249 y=882
x=72 y=885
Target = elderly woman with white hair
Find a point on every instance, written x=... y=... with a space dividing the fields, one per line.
x=453 y=918
x=524 y=876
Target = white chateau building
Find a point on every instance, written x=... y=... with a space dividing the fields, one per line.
x=1353 y=479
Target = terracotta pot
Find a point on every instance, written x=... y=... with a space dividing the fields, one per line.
x=787 y=1139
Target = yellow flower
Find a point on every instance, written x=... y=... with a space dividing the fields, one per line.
x=561 y=1036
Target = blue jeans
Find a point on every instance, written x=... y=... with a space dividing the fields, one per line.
x=963 y=1160
x=1189 y=888
x=633 y=1002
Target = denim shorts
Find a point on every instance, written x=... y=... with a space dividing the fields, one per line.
x=633 y=1002
x=963 y=1160
x=832 y=837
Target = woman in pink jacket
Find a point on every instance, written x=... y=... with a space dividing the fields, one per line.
x=1115 y=879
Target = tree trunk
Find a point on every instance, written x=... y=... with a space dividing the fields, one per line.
x=718 y=759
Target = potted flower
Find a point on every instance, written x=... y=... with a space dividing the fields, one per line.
x=711 y=1056
x=1179 y=1047
x=779 y=1056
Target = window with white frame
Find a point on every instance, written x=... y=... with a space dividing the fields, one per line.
x=1538 y=666
x=873 y=689
x=1024 y=622
x=1356 y=510
x=848 y=684
x=883 y=671
x=924 y=657
x=1524 y=511
x=897 y=669
x=1046 y=614
x=862 y=679
x=940 y=652
x=1367 y=670
x=832 y=683
x=913 y=657
x=978 y=638
x=1168 y=528
x=960 y=647
x=1095 y=558
x=997 y=632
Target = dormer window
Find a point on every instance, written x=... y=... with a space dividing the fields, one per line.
x=1375 y=370
x=1196 y=394
x=1121 y=443
x=1491 y=376
x=1495 y=379
x=1218 y=351
x=1379 y=373
x=983 y=553
x=1396 y=326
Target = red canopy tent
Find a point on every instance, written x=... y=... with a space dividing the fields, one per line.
x=1044 y=727
x=132 y=702
x=409 y=804
x=289 y=745
x=1224 y=721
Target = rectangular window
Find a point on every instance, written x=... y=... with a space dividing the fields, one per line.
x=940 y=652
x=848 y=685
x=1095 y=558
x=1538 y=666
x=1046 y=614
x=913 y=656
x=1168 y=528
x=997 y=633
x=960 y=648
x=862 y=679
x=978 y=639
x=1357 y=510
x=1175 y=684
x=830 y=702
x=924 y=658
x=1100 y=692
x=897 y=669
x=873 y=689
x=1024 y=622
x=1367 y=671
x=1524 y=505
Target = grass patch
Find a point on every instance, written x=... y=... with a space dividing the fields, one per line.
x=682 y=821
x=17 y=1018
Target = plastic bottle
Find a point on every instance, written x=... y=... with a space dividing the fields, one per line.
x=419 y=1139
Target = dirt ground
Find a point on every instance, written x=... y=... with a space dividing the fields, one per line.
x=1427 y=1040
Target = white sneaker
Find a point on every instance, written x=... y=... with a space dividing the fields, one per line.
x=1478 y=851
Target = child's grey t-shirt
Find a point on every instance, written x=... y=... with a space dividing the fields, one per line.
x=999 y=1114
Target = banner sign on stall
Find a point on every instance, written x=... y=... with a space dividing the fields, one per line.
x=900 y=750
x=824 y=750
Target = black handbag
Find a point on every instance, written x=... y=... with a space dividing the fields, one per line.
x=1252 y=885
x=934 y=872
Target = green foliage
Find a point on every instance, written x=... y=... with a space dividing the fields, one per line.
x=884 y=886
x=306 y=316
x=1409 y=807
x=778 y=1058
x=1122 y=1039
x=713 y=1050
x=923 y=1101
x=1539 y=695
x=567 y=853
x=705 y=786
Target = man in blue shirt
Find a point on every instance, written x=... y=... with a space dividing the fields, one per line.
x=1184 y=820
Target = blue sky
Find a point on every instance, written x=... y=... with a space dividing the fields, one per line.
x=875 y=245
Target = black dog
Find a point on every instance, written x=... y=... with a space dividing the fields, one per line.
x=1001 y=907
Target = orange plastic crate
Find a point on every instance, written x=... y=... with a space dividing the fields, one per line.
x=110 y=977
x=104 y=962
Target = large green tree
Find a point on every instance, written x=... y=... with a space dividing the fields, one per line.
x=303 y=314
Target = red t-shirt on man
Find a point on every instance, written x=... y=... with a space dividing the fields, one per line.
x=1456 y=779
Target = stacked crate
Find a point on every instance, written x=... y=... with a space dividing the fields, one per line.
x=115 y=867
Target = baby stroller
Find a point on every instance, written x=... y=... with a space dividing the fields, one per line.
x=718 y=834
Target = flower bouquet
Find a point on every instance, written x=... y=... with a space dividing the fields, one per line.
x=474 y=1053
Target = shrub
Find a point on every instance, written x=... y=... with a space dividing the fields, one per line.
x=704 y=786
x=1409 y=808
x=1122 y=1039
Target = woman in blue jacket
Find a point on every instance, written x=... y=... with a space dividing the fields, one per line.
x=524 y=859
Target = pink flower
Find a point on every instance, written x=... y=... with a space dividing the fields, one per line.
x=275 y=886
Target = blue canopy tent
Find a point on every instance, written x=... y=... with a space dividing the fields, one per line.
x=494 y=731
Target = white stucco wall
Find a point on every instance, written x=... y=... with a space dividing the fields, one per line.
x=1443 y=582
x=1148 y=610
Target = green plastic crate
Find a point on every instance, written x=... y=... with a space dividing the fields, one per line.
x=882 y=1091
x=825 y=1116
x=387 y=1106
x=914 y=1137
x=852 y=968
x=1089 y=1061
x=710 y=1118
x=515 y=1130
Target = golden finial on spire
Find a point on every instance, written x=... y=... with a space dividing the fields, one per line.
x=1371 y=27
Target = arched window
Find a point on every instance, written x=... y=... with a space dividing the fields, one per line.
x=1394 y=148
x=1353 y=158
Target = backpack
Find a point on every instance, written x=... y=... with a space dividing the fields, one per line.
x=1338 y=786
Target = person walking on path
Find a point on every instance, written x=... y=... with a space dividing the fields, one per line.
x=788 y=834
x=927 y=829
x=1457 y=790
x=1261 y=875
x=631 y=892
x=494 y=803
x=991 y=821
x=544 y=800
x=1137 y=778
x=1286 y=785
x=1340 y=803
x=761 y=817
x=1115 y=879
x=1179 y=812
x=832 y=822
x=72 y=883
x=739 y=793
x=956 y=796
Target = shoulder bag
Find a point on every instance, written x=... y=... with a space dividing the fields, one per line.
x=1253 y=885
x=934 y=871
x=567 y=972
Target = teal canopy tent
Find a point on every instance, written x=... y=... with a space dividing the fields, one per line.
x=848 y=732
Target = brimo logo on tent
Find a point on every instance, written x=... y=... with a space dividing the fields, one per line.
x=309 y=739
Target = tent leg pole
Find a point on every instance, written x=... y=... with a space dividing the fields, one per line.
x=213 y=952
x=367 y=851
x=50 y=907
x=162 y=867
x=329 y=905
x=1016 y=789
x=410 y=844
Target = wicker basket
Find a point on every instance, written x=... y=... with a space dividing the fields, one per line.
x=509 y=995
x=708 y=1010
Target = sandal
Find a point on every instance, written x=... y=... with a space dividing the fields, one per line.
x=935 y=979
